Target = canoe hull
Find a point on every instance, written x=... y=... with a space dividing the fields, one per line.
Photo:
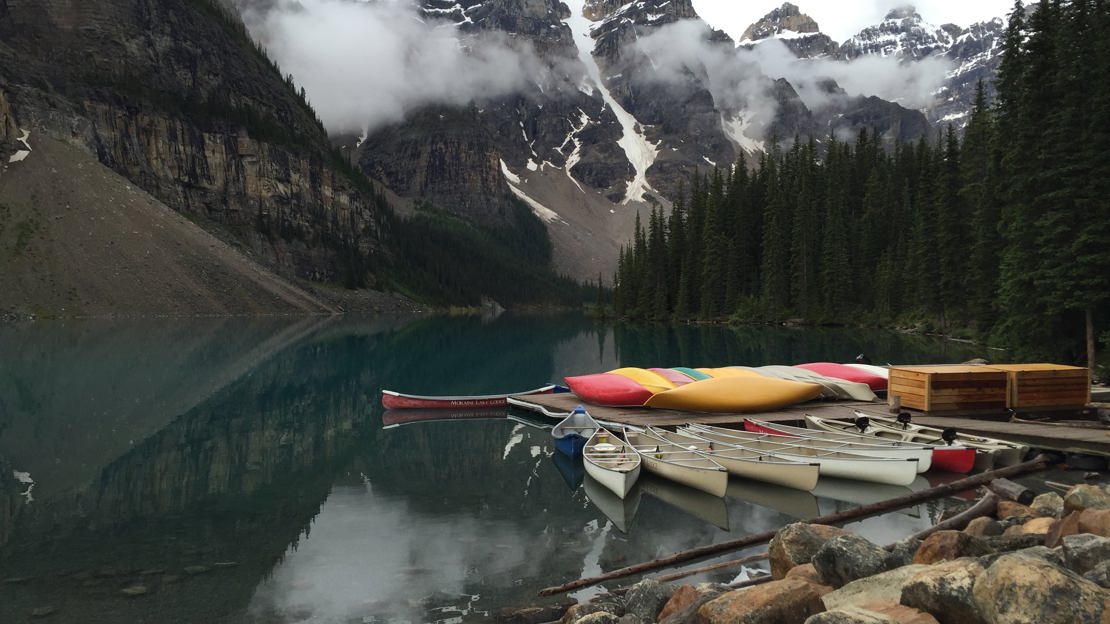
x=609 y=390
x=658 y=457
x=893 y=471
x=756 y=466
x=570 y=445
x=841 y=371
x=925 y=455
x=734 y=394
x=618 y=468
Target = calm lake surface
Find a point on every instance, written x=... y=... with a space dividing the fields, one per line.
x=244 y=471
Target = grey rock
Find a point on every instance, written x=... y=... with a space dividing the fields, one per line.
x=945 y=591
x=41 y=612
x=1099 y=575
x=881 y=588
x=689 y=615
x=844 y=559
x=1049 y=504
x=606 y=604
x=646 y=598
x=1019 y=588
x=1086 y=496
x=598 y=617
x=1010 y=543
x=795 y=544
x=902 y=553
x=1084 y=552
x=849 y=616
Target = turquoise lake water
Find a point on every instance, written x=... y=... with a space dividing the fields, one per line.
x=243 y=470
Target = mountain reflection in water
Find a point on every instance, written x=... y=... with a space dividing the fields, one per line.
x=237 y=470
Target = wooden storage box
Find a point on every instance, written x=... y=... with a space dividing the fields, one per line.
x=1046 y=385
x=948 y=388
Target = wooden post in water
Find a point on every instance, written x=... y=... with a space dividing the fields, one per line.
x=1041 y=462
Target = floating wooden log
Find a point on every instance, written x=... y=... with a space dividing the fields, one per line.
x=984 y=507
x=715 y=566
x=1041 y=462
x=1012 y=491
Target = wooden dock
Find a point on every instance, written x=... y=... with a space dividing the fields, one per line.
x=1055 y=437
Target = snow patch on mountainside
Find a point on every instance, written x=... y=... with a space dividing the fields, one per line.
x=546 y=214
x=639 y=151
x=736 y=130
x=576 y=154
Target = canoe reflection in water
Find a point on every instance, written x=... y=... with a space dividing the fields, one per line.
x=706 y=507
x=619 y=511
x=396 y=417
x=570 y=468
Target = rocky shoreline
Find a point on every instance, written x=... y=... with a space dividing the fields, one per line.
x=1046 y=562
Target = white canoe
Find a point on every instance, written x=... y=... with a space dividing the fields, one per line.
x=833 y=387
x=895 y=471
x=852 y=443
x=994 y=452
x=677 y=463
x=611 y=461
x=751 y=464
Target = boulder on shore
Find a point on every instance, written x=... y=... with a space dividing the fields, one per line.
x=1019 y=588
x=795 y=544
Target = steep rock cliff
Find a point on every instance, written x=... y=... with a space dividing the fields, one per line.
x=174 y=96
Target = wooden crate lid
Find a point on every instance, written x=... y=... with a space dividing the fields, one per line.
x=1029 y=368
x=949 y=368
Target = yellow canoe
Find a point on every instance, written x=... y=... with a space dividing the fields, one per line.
x=649 y=379
x=735 y=394
x=729 y=371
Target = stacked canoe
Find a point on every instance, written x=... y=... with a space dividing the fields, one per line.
x=727 y=389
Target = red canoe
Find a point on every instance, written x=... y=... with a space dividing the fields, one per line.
x=396 y=400
x=609 y=389
x=847 y=373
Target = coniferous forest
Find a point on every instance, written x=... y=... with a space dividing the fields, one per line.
x=1001 y=234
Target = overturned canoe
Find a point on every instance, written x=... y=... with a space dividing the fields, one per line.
x=647 y=378
x=842 y=371
x=832 y=387
x=609 y=389
x=734 y=394
x=675 y=377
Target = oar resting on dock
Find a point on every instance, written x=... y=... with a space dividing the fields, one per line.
x=1041 y=462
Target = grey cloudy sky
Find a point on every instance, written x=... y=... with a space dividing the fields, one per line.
x=841 y=19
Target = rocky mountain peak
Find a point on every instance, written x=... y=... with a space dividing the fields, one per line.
x=787 y=18
x=903 y=34
x=903 y=12
x=798 y=31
